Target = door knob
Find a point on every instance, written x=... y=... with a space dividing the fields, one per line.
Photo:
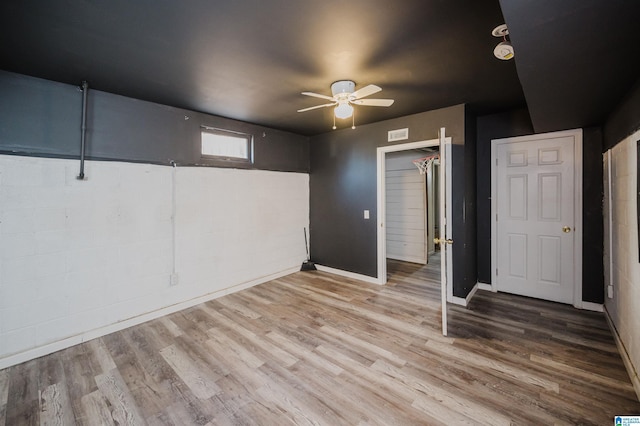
x=566 y=229
x=442 y=241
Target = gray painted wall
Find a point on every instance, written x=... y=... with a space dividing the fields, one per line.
x=592 y=216
x=466 y=228
x=343 y=183
x=41 y=117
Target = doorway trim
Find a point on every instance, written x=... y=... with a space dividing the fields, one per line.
x=381 y=212
x=577 y=211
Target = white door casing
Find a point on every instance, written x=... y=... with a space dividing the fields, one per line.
x=537 y=216
x=445 y=239
x=431 y=200
x=381 y=204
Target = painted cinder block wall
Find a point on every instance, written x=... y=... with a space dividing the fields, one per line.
x=79 y=259
x=621 y=208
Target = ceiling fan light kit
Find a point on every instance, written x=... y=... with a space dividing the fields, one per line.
x=345 y=96
x=504 y=49
x=343 y=110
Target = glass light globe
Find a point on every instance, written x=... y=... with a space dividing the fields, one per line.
x=343 y=111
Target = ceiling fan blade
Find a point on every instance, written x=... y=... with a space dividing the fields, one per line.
x=317 y=106
x=365 y=91
x=318 y=95
x=373 y=102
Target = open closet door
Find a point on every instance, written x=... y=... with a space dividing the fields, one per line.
x=444 y=240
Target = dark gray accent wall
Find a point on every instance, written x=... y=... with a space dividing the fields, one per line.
x=517 y=123
x=465 y=242
x=343 y=184
x=592 y=216
x=40 y=117
x=495 y=126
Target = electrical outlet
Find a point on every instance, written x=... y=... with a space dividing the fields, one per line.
x=610 y=291
x=173 y=279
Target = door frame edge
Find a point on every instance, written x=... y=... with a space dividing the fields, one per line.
x=381 y=239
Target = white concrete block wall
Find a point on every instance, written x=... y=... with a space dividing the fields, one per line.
x=622 y=259
x=252 y=225
x=79 y=258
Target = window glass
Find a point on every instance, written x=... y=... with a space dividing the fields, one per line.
x=226 y=145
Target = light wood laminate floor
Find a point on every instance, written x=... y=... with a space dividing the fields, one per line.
x=315 y=348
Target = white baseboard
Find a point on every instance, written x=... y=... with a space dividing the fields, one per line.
x=457 y=300
x=49 y=348
x=485 y=287
x=348 y=274
x=631 y=369
x=463 y=301
x=589 y=306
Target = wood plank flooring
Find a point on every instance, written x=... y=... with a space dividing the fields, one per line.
x=317 y=349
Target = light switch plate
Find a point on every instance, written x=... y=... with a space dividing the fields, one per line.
x=366 y=214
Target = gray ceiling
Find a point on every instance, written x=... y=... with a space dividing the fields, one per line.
x=250 y=59
x=576 y=59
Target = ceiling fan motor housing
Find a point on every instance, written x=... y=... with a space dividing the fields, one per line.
x=345 y=87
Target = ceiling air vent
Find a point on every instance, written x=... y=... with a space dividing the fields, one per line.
x=397 y=135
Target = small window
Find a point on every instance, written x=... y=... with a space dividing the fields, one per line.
x=226 y=145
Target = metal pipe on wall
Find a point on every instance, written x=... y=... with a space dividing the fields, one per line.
x=85 y=91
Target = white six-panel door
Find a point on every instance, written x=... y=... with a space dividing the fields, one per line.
x=534 y=208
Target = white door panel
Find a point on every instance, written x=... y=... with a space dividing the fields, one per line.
x=534 y=207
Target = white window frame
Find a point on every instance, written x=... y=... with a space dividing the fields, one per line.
x=247 y=138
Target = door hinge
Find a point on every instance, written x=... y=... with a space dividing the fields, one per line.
x=496 y=217
x=496 y=272
x=496 y=161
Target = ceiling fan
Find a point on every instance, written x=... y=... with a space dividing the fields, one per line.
x=345 y=95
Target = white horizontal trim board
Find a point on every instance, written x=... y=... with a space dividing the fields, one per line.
x=405 y=209
x=405 y=186
x=407 y=238
x=398 y=227
x=404 y=247
x=80 y=258
x=403 y=232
